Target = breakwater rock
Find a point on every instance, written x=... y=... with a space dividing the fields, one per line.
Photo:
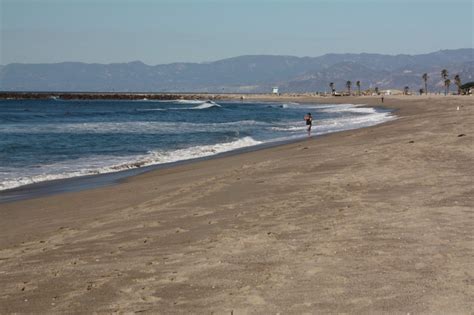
x=109 y=96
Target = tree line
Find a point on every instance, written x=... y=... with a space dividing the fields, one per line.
x=446 y=80
x=406 y=89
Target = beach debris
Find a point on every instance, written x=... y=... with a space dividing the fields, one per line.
x=90 y=285
x=461 y=135
x=411 y=141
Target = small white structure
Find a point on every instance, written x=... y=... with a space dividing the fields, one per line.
x=275 y=90
x=391 y=92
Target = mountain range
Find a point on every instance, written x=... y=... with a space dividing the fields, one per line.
x=245 y=74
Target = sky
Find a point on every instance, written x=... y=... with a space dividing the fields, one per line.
x=166 y=31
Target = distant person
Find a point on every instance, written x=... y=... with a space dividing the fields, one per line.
x=309 y=122
x=382 y=98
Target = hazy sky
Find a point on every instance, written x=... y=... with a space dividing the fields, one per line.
x=165 y=31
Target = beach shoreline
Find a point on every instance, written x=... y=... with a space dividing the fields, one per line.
x=84 y=182
x=376 y=219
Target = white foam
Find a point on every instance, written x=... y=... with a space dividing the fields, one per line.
x=108 y=164
x=369 y=117
x=151 y=109
x=202 y=151
x=353 y=122
x=189 y=101
x=141 y=127
x=202 y=105
x=290 y=105
x=295 y=127
x=363 y=117
x=349 y=108
x=207 y=105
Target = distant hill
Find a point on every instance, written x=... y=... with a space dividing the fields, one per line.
x=256 y=73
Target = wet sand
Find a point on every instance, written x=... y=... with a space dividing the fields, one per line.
x=371 y=220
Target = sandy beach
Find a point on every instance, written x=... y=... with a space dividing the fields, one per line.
x=365 y=221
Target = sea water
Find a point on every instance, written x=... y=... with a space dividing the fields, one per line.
x=43 y=140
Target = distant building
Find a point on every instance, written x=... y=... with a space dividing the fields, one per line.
x=467 y=88
x=275 y=90
x=391 y=92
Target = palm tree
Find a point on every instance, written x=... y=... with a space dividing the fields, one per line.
x=447 y=83
x=358 y=86
x=348 y=85
x=331 y=85
x=405 y=90
x=457 y=81
x=425 y=78
x=377 y=90
x=444 y=74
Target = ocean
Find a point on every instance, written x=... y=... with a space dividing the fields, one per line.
x=42 y=140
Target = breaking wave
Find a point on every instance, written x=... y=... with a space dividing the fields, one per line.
x=40 y=143
x=107 y=164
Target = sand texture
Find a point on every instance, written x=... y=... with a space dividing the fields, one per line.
x=367 y=221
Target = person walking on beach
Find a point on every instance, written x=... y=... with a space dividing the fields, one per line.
x=309 y=122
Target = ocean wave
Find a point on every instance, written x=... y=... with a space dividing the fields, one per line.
x=325 y=126
x=96 y=165
x=150 y=109
x=290 y=105
x=189 y=101
x=328 y=125
x=286 y=126
x=207 y=105
x=202 y=105
x=141 y=127
x=295 y=127
x=358 y=108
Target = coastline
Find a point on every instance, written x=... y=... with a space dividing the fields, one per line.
x=373 y=219
x=84 y=182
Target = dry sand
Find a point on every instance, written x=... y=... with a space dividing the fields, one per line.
x=373 y=220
